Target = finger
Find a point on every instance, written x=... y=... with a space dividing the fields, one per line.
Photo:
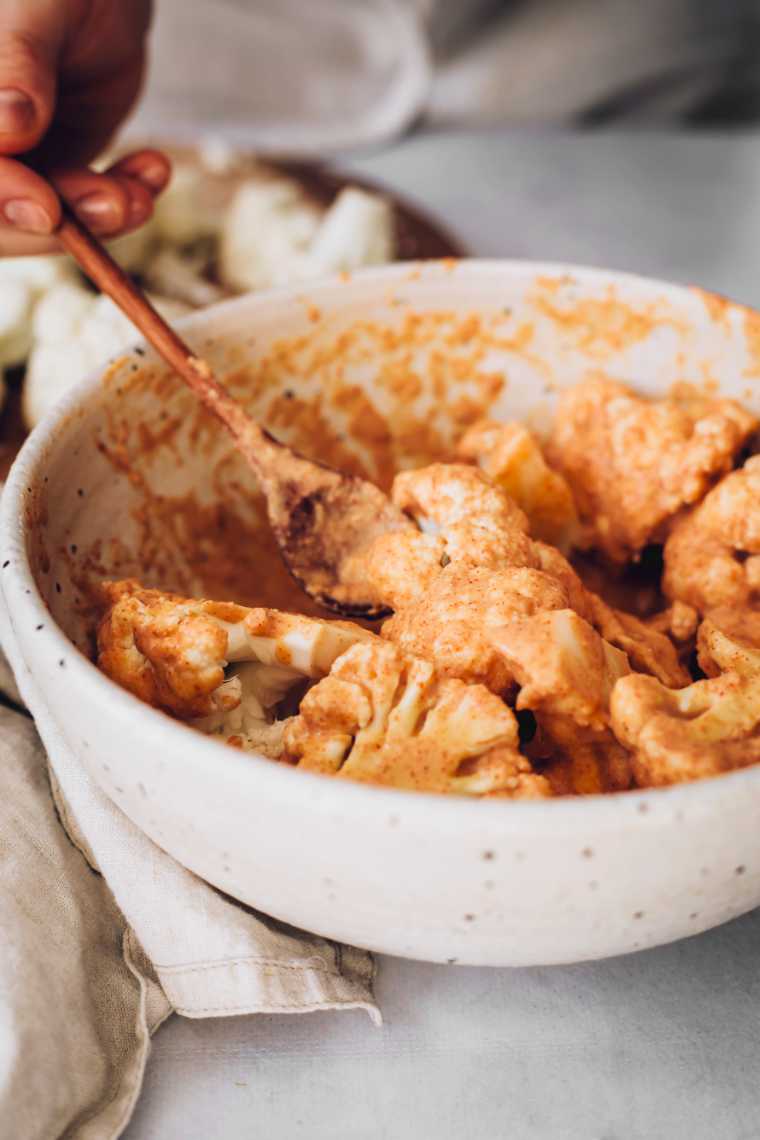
x=31 y=38
x=102 y=202
x=27 y=201
x=149 y=167
x=109 y=204
x=15 y=244
x=139 y=201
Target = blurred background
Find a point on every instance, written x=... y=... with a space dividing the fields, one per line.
x=316 y=74
x=613 y=132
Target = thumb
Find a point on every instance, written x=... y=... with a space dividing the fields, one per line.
x=31 y=37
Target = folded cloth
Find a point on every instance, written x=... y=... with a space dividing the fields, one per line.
x=103 y=935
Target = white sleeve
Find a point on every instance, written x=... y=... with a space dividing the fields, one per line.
x=286 y=76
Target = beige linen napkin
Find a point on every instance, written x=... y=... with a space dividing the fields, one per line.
x=91 y=964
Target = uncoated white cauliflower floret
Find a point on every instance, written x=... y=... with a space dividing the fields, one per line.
x=184 y=212
x=274 y=234
x=266 y=236
x=23 y=280
x=182 y=276
x=74 y=330
x=357 y=230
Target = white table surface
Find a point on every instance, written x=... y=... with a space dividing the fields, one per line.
x=663 y=1045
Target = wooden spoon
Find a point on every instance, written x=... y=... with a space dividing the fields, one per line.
x=319 y=516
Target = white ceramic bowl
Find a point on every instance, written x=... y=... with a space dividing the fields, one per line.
x=438 y=878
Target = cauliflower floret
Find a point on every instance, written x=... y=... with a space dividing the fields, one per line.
x=511 y=457
x=399 y=567
x=552 y=562
x=712 y=557
x=478 y=523
x=384 y=718
x=248 y=724
x=463 y=520
x=266 y=236
x=679 y=621
x=450 y=581
x=357 y=230
x=188 y=210
x=219 y=665
x=39 y=273
x=74 y=331
x=729 y=642
x=462 y=607
x=704 y=729
x=633 y=463
x=182 y=276
x=23 y=280
x=567 y=673
x=647 y=647
x=562 y=665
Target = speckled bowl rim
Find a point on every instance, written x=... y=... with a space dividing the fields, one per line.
x=25 y=604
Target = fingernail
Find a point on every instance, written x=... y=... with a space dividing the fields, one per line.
x=17 y=111
x=28 y=215
x=99 y=211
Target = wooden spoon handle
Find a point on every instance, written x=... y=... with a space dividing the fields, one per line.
x=97 y=263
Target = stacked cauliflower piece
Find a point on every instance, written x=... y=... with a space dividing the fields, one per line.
x=500 y=672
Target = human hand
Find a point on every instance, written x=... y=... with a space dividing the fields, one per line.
x=70 y=71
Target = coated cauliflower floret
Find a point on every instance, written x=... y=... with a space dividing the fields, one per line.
x=384 y=718
x=463 y=520
x=461 y=608
x=567 y=673
x=511 y=457
x=712 y=557
x=648 y=647
x=729 y=641
x=451 y=582
x=704 y=729
x=562 y=665
x=220 y=665
x=478 y=523
x=678 y=620
x=633 y=463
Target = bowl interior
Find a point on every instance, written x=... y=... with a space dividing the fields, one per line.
x=372 y=373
